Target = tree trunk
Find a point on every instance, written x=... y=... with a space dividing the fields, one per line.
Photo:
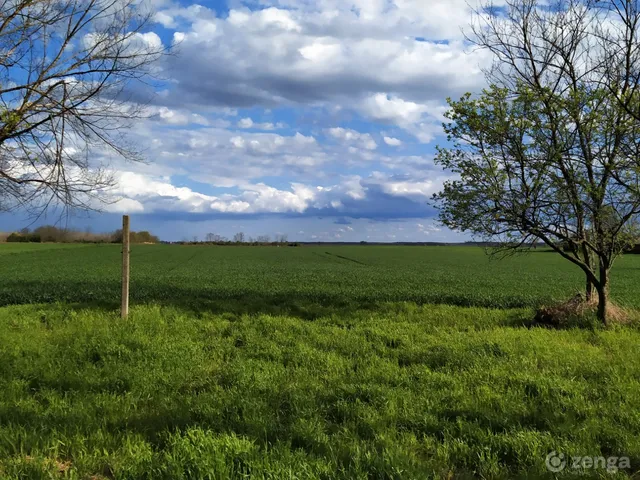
x=603 y=295
x=589 y=284
x=589 y=290
x=602 y=305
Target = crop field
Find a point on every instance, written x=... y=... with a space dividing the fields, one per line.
x=299 y=279
x=308 y=362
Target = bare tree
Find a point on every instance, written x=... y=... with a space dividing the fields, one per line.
x=210 y=238
x=281 y=238
x=618 y=38
x=549 y=152
x=64 y=68
x=263 y=239
x=238 y=237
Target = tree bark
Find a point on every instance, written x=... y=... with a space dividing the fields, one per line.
x=603 y=295
x=602 y=305
x=589 y=290
x=589 y=283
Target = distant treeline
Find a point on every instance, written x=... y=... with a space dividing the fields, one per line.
x=53 y=234
x=237 y=244
x=238 y=239
x=633 y=250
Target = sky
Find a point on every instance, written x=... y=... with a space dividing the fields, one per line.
x=317 y=119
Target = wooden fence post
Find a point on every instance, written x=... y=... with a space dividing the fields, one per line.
x=124 y=310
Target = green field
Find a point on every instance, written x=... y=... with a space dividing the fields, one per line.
x=307 y=362
x=297 y=279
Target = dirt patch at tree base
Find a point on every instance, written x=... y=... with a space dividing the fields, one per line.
x=577 y=311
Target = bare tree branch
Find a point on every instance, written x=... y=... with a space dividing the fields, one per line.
x=64 y=68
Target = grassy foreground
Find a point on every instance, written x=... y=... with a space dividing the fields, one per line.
x=400 y=392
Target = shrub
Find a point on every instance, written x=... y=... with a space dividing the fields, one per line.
x=635 y=249
x=24 y=238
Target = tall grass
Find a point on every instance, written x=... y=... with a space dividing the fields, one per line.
x=402 y=392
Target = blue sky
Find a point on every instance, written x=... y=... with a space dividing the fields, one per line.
x=312 y=118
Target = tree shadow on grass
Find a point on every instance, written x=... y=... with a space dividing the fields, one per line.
x=106 y=296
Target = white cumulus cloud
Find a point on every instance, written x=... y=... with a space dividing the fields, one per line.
x=393 y=142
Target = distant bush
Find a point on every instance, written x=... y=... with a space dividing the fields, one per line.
x=24 y=238
x=16 y=237
x=135 y=237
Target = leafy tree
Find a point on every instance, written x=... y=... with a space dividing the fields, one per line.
x=548 y=152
